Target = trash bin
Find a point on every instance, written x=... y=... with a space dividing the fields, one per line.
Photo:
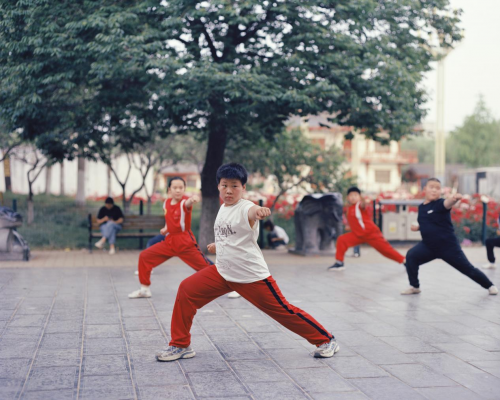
x=318 y=222
x=12 y=244
x=396 y=226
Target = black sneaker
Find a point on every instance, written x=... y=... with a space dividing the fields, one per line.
x=338 y=266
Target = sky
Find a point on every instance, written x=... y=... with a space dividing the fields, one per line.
x=472 y=68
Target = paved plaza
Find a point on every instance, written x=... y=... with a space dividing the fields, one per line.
x=68 y=331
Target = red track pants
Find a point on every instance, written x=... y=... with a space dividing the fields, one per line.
x=376 y=240
x=206 y=285
x=182 y=245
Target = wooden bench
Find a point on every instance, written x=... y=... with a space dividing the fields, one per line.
x=134 y=226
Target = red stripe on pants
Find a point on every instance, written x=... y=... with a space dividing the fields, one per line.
x=376 y=240
x=206 y=285
x=181 y=245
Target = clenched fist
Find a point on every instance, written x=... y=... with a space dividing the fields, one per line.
x=211 y=248
x=262 y=213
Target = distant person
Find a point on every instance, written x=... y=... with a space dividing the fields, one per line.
x=363 y=230
x=439 y=240
x=490 y=244
x=110 y=220
x=277 y=236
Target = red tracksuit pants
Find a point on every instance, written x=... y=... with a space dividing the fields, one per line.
x=182 y=245
x=206 y=285
x=375 y=239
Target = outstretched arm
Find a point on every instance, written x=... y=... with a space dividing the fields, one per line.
x=452 y=200
x=257 y=213
x=192 y=200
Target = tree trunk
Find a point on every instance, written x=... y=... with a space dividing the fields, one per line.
x=80 y=191
x=61 y=177
x=109 y=181
x=148 y=208
x=48 y=179
x=31 y=212
x=210 y=204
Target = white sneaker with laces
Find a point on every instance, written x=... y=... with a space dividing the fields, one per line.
x=99 y=244
x=411 y=290
x=326 y=350
x=493 y=290
x=140 y=294
x=172 y=353
x=234 y=295
x=489 y=266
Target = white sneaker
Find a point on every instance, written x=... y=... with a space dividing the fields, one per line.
x=112 y=251
x=139 y=294
x=493 y=290
x=99 y=244
x=234 y=295
x=411 y=290
x=137 y=272
x=489 y=266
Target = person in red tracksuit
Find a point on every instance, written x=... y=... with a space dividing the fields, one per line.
x=179 y=241
x=363 y=230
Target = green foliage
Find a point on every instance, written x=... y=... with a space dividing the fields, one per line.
x=476 y=142
x=423 y=145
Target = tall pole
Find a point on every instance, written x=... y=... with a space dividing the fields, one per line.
x=440 y=145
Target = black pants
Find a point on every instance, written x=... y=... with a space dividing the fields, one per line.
x=490 y=244
x=422 y=254
x=276 y=243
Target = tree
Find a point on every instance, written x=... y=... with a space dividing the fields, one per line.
x=239 y=70
x=476 y=142
x=294 y=162
x=423 y=145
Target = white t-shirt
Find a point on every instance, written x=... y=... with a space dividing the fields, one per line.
x=239 y=258
x=280 y=232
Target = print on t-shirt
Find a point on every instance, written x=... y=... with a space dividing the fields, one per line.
x=222 y=230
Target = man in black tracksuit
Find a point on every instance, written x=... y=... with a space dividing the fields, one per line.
x=439 y=240
x=490 y=244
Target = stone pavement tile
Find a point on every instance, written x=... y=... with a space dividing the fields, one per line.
x=22 y=333
x=448 y=393
x=201 y=343
x=52 y=378
x=216 y=322
x=245 y=313
x=103 y=331
x=102 y=319
x=492 y=330
x=386 y=388
x=484 y=342
x=492 y=367
x=240 y=351
x=212 y=384
x=357 y=338
x=66 y=326
x=354 y=367
x=106 y=387
x=140 y=323
x=155 y=373
x=383 y=354
x=454 y=328
x=58 y=358
x=104 y=346
x=358 y=317
x=410 y=344
x=67 y=314
x=138 y=312
x=445 y=363
x=109 y=364
x=146 y=338
x=295 y=358
x=165 y=392
x=13 y=348
x=339 y=396
x=417 y=375
x=26 y=309
x=28 y=320
x=320 y=380
x=483 y=384
x=258 y=325
x=381 y=329
x=56 y=341
x=274 y=340
x=489 y=315
x=143 y=353
x=468 y=352
x=258 y=371
x=9 y=388
x=14 y=368
x=276 y=390
x=204 y=361
x=229 y=335
x=66 y=394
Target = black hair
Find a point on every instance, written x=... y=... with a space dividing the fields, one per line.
x=353 y=189
x=269 y=224
x=232 y=171
x=433 y=180
x=176 y=178
x=109 y=200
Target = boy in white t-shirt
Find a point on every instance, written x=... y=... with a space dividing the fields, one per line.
x=240 y=267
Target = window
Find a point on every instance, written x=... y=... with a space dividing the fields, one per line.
x=380 y=148
x=382 y=176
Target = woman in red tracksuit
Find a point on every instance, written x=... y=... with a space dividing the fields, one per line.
x=179 y=242
x=363 y=230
